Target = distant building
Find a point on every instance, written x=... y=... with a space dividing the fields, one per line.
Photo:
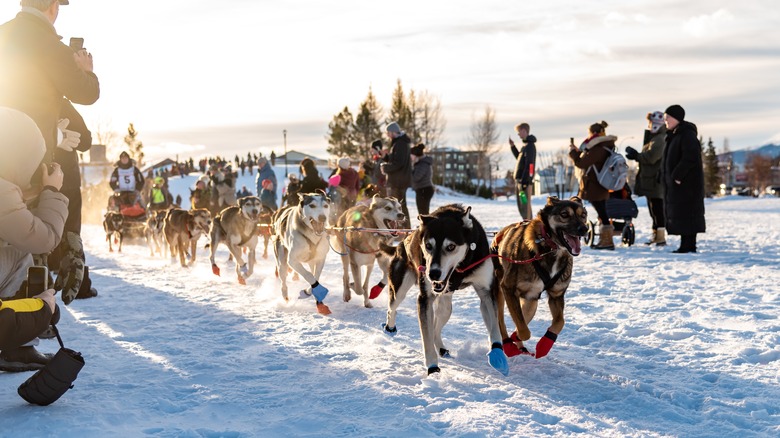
x=295 y=157
x=452 y=165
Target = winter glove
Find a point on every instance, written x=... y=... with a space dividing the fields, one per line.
x=319 y=291
x=70 y=139
x=71 y=270
x=631 y=153
x=545 y=344
x=497 y=359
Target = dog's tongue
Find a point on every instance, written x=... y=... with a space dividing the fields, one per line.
x=573 y=242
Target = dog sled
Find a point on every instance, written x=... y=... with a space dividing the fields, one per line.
x=621 y=210
x=129 y=205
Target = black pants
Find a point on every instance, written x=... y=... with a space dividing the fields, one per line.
x=423 y=199
x=688 y=242
x=601 y=211
x=656 y=207
x=400 y=195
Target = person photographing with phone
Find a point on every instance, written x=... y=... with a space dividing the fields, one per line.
x=524 y=169
x=25 y=231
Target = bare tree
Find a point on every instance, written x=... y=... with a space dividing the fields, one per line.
x=759 y=170
x=103 y=134
x=429 y=120
x=482 y=139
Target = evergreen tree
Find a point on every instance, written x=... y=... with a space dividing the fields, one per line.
x=136 y=147
x=367 y=127
x=341 y=135
x=400 y=111
x=711 y=170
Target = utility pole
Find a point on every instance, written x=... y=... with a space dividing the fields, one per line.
x=285 y=152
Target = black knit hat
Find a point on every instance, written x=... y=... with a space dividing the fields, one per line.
x=418 y=150
x=677 y=112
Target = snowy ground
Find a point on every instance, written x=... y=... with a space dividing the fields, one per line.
x=656 y=344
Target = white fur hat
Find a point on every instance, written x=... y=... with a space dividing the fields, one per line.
x=21 y=146
x=344 y=162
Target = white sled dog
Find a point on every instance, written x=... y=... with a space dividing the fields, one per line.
x=236 y=227
x=300 y=237
x=155 y=237
x=359 y=249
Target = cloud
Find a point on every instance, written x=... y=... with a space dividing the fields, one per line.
x=705 y=25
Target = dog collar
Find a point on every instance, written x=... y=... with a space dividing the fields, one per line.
x=547 y=239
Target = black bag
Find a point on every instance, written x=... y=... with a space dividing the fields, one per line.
x=49 y=383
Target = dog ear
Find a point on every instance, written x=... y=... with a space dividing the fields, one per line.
x=467 y=222
x=425 y=219
x=551 y=200
x=576 y=199
x=301 y=197
x=241 y=202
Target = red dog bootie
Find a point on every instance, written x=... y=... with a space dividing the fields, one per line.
x=376 y=290
x=545 y=344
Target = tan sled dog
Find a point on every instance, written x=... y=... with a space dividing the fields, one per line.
x=182 y=230
x=155 y=237
x=537 y=256
x=361 y=248
x=236 y=227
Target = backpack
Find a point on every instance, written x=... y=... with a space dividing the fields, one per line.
x=614 y=172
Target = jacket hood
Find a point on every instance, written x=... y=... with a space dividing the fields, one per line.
x=599 y=140
x=427 y=159
x=22 y=147
x=686 y=126
x=530 y=139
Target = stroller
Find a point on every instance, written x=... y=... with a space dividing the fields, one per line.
x=129 y=205
x=621 y=210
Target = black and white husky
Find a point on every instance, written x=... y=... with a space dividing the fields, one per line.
x=448 y=251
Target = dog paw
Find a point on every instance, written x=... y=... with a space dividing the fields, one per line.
x=389 y=330
x=215 y=270
x=497 y=359
x=376 y=291
x=244 y=269
x=433 y=369
x=319 y=292
x=322 y=309
x=242 y=281
x=443 y=352
x=303 y=294
x=510 y=348
x=545 y=344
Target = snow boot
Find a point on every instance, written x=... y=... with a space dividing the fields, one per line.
x=652 y=239
x=19 y=359
x=605 y=238
x=660 y=237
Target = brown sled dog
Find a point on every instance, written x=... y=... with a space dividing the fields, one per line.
x=182 y=230
x=537 y=256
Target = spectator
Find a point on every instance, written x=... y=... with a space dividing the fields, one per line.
x=683 y=176
x=290 y=194
x=159 y=198
x=268 y=195
x=422 y=178
x=648 y=181
x=264 y=171
x=38 y=69
x=398 y=166
x=590 y=158
x=350 y=182
x=273 y=158
x=201 y=196
x=243 y=193
x=24 y=232
x=311 y=181
x=524 y=169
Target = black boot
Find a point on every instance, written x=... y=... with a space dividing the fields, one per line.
x=14 y=360
x=687 y=244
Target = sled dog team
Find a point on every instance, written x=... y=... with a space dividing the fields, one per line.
x=449 y=251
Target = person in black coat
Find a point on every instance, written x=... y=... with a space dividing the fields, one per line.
x=683 y=176
x=398 y=166
x=524 y=169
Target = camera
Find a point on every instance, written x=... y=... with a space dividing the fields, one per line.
x=76 y=44
x=37 y=280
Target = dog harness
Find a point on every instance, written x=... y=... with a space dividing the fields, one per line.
x=544 y=275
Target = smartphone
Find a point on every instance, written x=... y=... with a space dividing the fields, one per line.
x=571 y=141
x=37 y=280
x=76 y=44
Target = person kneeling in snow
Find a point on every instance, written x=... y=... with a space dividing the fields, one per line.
x=24 y=232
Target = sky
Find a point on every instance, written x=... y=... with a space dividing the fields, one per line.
x=232 y=75
x=655 y=345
